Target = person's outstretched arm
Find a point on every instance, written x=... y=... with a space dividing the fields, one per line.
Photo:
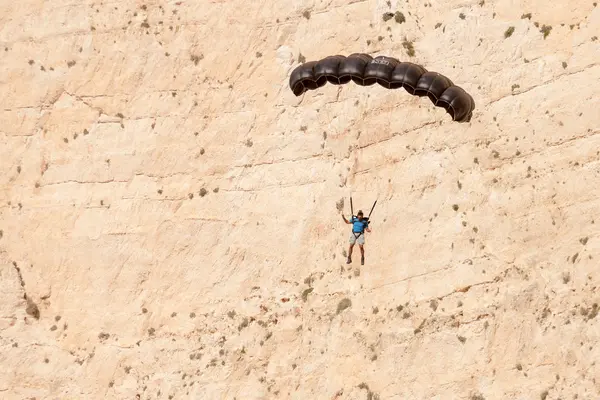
x=345 y=220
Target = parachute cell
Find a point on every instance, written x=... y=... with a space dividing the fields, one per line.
x=389 y=73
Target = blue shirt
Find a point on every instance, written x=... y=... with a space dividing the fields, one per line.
x=358 y=226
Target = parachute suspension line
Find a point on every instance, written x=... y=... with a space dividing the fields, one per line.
x=372 y=208
x=352 y=208
x=352 y=212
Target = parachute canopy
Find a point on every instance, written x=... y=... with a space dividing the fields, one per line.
x=388 y=72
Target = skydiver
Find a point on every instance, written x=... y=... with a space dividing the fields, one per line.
x=359 y=226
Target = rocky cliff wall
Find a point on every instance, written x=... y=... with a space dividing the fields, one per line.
x=170 y=213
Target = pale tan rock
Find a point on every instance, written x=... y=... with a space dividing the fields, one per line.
x=170 y=212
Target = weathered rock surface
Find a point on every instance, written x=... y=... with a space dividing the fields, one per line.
x=169 y=222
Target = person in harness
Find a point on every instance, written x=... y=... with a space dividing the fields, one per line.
x=359 y=226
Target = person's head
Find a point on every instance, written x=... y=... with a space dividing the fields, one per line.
x=360 y=214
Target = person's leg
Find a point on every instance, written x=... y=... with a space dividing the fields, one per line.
x=361 y=243
x=352 y=241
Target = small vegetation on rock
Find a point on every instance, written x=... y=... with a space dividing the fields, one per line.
x=508 y=33
x=32 y=309
x=243 y=324
x=545 y=29
x=339 y=205
x=305 y=294
x=364 y=386
x=387 y=16
x=433 y=304
x=343 y=304
x=399 y=17
x=410 y=49
x=196 y=58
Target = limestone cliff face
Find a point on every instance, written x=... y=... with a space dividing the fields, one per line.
x=170 y=213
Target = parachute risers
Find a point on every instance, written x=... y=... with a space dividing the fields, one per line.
x=388 y=72
x=365 y=218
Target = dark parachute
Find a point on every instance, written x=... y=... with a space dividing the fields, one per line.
x=390 y=73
